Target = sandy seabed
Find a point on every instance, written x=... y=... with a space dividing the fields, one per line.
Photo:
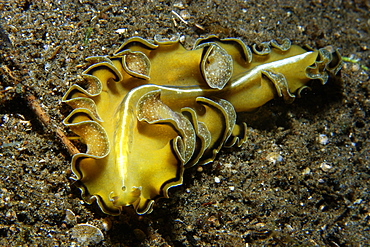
x=315 y=194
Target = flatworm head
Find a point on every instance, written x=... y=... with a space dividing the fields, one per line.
x=154 y=108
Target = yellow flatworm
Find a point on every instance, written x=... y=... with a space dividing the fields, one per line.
x=154 y=108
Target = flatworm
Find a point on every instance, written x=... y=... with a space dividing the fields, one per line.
x=154 y=108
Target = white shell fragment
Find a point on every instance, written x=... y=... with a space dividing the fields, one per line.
x=325 y=167
x=323 y=139
x=70 y=218
x=274 y=157
x=86 y=234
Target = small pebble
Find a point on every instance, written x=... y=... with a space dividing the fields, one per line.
x=106 y=224
x=217 y=180
x=139 y=234
x=185 y=14
x=325 y=167
x=355 y=67
x=306 y=171
x=358 y=201
x=182 y=39
x=199 y=169
x=121 y=30
x=289 y=228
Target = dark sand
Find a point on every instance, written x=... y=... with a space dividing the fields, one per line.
x=317 y=195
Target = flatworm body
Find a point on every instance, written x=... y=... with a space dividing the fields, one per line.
x=154 y=108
